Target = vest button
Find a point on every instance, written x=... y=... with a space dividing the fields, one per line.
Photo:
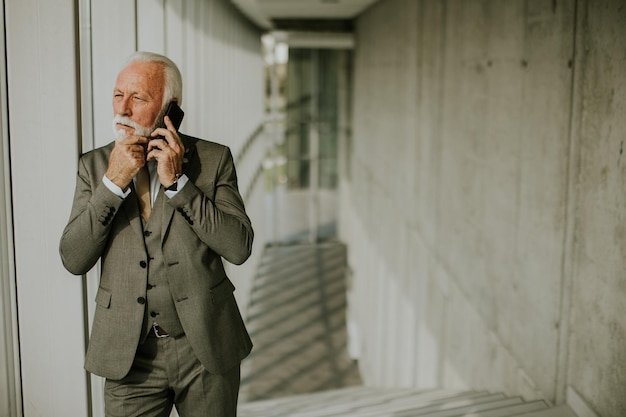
x=153 y=314
x=141 y=300
x=149 y=286
x=147 y=233
x=143 y=264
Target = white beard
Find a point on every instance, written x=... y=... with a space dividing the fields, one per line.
x=121 y=134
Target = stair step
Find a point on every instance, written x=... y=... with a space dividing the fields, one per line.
x=514 y=410
x=389 y=402
x=558 y=411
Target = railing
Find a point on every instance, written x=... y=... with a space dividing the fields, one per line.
x=249 y=161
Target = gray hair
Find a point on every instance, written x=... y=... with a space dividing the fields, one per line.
x=173 y=88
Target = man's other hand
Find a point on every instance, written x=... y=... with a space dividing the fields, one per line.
x=127 y=158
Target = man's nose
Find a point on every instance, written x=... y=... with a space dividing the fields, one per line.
x=122 y=107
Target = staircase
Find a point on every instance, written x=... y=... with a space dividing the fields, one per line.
x=388 y=402
x=299 y=366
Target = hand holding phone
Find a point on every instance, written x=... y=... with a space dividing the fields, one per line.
x=169 y=153
x=175 y=113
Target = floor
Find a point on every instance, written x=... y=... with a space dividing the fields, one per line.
x=297 y=321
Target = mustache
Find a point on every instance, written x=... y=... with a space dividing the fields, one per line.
x=124 y=120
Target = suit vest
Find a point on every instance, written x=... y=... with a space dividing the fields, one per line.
x=160 y=307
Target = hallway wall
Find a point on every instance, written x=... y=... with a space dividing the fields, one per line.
x=62 y=58
x=482 y=194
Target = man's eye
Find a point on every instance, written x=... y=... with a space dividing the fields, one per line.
x=139 y=98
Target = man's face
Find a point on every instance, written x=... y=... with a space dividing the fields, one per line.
x=138 y=98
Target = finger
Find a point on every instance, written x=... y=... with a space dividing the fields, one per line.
x=165 y=145
x=131 y=153
x=157 y=144
x=136 y=151
x=157 y=154
x=170 y=128
x=151 y=155
x=169 y=124
x=163 y=134
x=137 y=146
x=135 y=140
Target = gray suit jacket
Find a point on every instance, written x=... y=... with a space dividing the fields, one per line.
x=204 y=222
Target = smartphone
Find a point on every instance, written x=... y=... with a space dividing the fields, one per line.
x=175 y=113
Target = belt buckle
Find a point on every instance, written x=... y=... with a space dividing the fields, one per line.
x=159 y=331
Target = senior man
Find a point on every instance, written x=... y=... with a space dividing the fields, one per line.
x=160 y=210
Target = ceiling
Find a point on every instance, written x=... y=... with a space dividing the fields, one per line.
x=306 y=14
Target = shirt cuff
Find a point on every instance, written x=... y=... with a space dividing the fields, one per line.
x=181 y=183
x=114 y=188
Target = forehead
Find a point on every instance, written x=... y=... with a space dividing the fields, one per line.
x=147 y=77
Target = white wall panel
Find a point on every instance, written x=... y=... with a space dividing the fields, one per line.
x=151 y=21
x=175 y=39
x=113 y=39
x=44 y=143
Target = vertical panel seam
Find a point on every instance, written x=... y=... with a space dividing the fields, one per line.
x=83 y=66
x=12 y=344
x=567 y=267
x=441 y=82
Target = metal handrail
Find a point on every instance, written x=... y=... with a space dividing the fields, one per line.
x=243 y=153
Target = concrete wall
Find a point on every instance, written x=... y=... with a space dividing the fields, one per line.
x=62 y=58
x=482 y=197
x=597 y=359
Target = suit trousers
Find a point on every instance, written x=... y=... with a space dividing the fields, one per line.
x=166 y=373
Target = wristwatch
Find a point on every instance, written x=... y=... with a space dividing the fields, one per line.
x=174 y=186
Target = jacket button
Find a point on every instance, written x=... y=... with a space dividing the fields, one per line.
x=143 y=264
x=141 y=300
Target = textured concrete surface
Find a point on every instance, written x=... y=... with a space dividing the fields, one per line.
x=482 y=194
